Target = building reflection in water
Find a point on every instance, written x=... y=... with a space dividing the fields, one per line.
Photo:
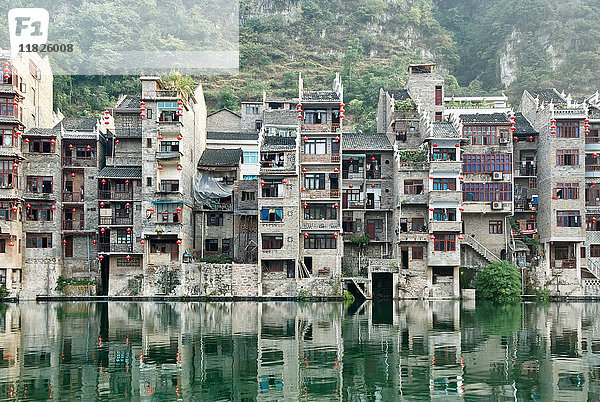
x=311 y=351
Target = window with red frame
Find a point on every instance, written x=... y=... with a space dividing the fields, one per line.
x=274 y=266
x=417 y=253
x=444 y=242
x=39 y=240
x=592 y=223
x=167 y=213
x=41 y=146
x=39 y=212
x=567 y=129
x=7 y=137
x=487 y=163
x=567 y=191
x=567 y=157
x=595 y=250
x=6 y=212
x=495 y=227
x=438 y=95
x=481 y=135
x=568 y=219
x=169 y=186
x=444 y=184
x=484 y=192
x=444 y=154
x=8 y=174
x=7 y=108
x=412 y=186
x=272 y=242
x=417 y=224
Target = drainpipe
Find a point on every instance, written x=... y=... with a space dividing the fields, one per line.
x=88 y=260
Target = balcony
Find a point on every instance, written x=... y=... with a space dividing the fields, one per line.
x=320 y=158
x=72 y=197
x=325 y=193
x=525 y=171
x=320 y=225
x=115 y=247
x=373 y=174
x=352 y=204
x=83 y=162
x=115 y=195
x=321 y=128
x=348 y=175
x=115 y=220
x=422 y=198
x=175 y=155
x=73 y=225
x=376 y=204
x=569 y=263
x=413 y=236
x=445 y=226
x=592 y=140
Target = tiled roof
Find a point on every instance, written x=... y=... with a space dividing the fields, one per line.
x=489 y=118
x=8 y=119
x=444 y=129
x=120 y=172
x=549 y=95
x=78 y=123
x=280 y=117
x=594 y=113
x=224 y=110
x=220 y=157
x=523 y=126
x=399 y=94
x=129 y=102
x=232 y=136
x=43 y=132
x=366 y=142
x=274 y=143
x=320 y=96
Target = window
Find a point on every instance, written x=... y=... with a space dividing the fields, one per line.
x=567 y=191
x=39 y=212
x=567 y=157
x=169 y=186
x=417 y=253
x=7 y=108
x=444 y=214
x=121 y=187
x=148 y=142
x=315 y=146
x=6 y=212
x=167 y=111
x=39 y=240
x=444 y=154
x=168 y=213
x=377 y=225
x=438 y=95
x=149 y=181
x=495 y=227
x=438 y=116
x=8 y=173
x=567 y=129
x=320 y=241
x=569 y=219
x=444 y=242
x=314 y=181
x=2 y=246
x=121 y=211
x=273 y=266
x=483 y=135
x=592 y=223
x=37 y=184
x=272 y=242
x=487 y=163
x=271 y=214
x=251 y=109
x=444 y=184
x=7 y=137
x=413 y=186
x=41 y=146
x=132 y=262
x=320 y=212
x=417 y=224
x=225 y=245
x=250 y=157
x=487 y=192
x=169 y=146
x=348 y=222
x=214 y=219
x=123 y=236
x=211 y=244
x=272 y=188
x=595 y=250
x=248 y=195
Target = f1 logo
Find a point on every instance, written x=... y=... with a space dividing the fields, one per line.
x=27 y=26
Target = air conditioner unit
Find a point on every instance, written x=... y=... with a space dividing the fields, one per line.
x=503 y=141
x=496 y=205
x=497 y=175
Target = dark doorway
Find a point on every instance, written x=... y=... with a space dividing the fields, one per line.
x=404 y=257
x=308 y=263
x=383 y=285
x=334 y=182
x=103 y=288
x=403 y=225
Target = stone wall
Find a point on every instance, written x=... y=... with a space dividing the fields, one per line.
x=239 y=280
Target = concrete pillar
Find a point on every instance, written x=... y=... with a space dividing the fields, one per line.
x=456 y=282
x=578 y=260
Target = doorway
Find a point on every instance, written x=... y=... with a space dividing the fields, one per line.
x=383 y=285
x=104 y=274
x=404 y=253
x=308 y=262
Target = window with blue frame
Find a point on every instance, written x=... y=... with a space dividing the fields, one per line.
x=167 y=111
x=271 y=214
x=250 y=157
x=444 y=214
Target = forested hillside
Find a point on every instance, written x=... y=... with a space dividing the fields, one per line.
x=481 y=45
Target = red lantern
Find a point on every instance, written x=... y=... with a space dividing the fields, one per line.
x=460 y=178
x=178 y=209
x=73 y=210
x=126 y=181
x=303 y=189
x=72 y=174
x=337 y=138
x=160 y=137
x=117 y=142
x=11 y=244
x=102 y=230
x=594 y=219
x=594 y=155
x=299 y=115
x=102 y=204
x=305 y=205
x=351 y=160
x=531 y=138
x=27 y=140
x=103 y=181
x=94 y=241
x=179 y=167
x=512 y=117
x=300 y=105
x=142 y=242
x=435 y=145
x=586 y=120
x=128 y=205
x=88 y=147
x=178 y=241
x=593 y=183
x=15 y=103
x=28 y=206
x=18 y=133
x=431 y=177
x=460 y=238
x=142 y=103
x=101 y=257
x=431 y=209
x=305 y=235
x=532 y=217
x=179 y=114
x=14 y=208
x=350 y=186
x=15 y=165
x=341 y=115
x=373 y=159
x=303 y=170
x=51 y=141
x=180 y=102
x=284 y=181
x=53 y=207
x=461 y=209
x=432 y=237
x=342 y=104
x=512 y=128
x=179 y=137
x=151 y=209
x=372 y=185
x=335 y=235
x=128 y=257
x=335 y=170
x=553 y=197
x=128 y=230
x=70 y=146
x=457 y=145
x=336 y=205
x=552 y=120
x=304 y=138
x=516 y=139
x=64 y=242
x=160 y=167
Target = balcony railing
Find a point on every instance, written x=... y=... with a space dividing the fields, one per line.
x=373 y=204
x=73 y=225
x=353 y=204
x=321 y=127
x=320 y=158
x=373 y=174
x=115 y=220
x=72 y=197
x=346 y=174
x=332 y=193
x=115 y=247
x=592 y=168
x=115 y=195
x=528 y=170
x=73 y=161
x=592 y=140
x=564 y=263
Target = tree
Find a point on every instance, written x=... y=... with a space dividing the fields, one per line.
x=499 y=282
x=228 y=99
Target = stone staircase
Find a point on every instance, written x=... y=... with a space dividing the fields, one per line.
x=593 y=268
x=480 y=249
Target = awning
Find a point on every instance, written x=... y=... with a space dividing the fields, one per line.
x=207 y=187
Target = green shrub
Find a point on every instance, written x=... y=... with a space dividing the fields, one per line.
x=348 y=297
x=215 y=259
x=499 y=282
x=62 y=282
x=3 y=292
x=542 y=295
